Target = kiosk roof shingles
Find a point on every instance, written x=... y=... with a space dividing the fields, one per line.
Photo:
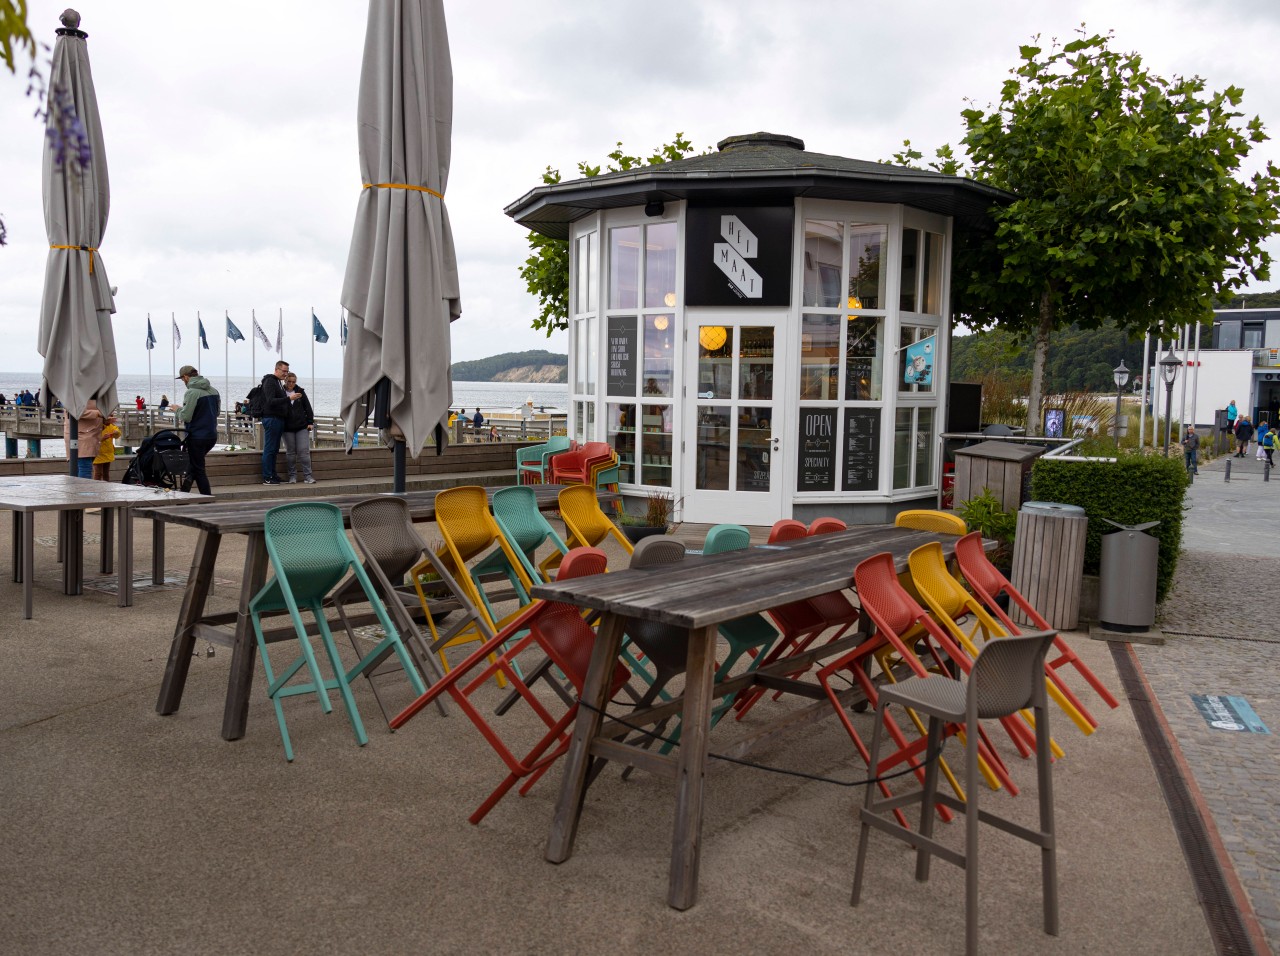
x=754 y=168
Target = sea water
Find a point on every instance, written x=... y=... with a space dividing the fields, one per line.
x=325 y=395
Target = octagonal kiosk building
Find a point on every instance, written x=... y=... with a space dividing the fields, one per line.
x=762 y=331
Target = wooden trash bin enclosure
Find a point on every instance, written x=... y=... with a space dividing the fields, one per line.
x=1001 y=467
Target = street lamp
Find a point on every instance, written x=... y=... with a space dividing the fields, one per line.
x=1169 y=366
x=1121 y=376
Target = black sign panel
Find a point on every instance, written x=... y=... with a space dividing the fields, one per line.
x=623 y=356
x=739 y=256
x=861 y=449
x=817 y=456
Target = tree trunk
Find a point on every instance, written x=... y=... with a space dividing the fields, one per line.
x=1035 y=425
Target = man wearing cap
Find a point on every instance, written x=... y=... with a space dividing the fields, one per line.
x=200 y=408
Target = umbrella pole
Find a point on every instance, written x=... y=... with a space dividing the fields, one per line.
x=397 y=471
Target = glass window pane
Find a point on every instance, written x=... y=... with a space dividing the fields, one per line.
x=584 y=421
x=902 y=448
x=622 y=436
x=819 y=356
x=863 y=368
x=933 y=262
x=715 y=362
x=712 y=472
x=624 y=267
x=910 y=274
x=590 y=370
x=579 y=356
x=660 y=266
x=755 y=372
x=916 y=358
x=655 y=445
x=659 y=339
x=1228 y=335
x=593 y=267
x=866 y=278
x=822 y=260
x=582 y=263
x=754 y=432
x=924 y=447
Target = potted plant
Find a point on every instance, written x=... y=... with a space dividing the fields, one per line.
x=655 y=520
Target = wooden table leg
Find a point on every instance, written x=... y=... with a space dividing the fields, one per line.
x=157 y=551
x=28 y=560
x=695 y=727
x=184 y=638
x=106 y=520
x=124 y=563
x=240 y=681
x=573 y=786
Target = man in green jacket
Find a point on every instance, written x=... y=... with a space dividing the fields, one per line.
x=200 y=407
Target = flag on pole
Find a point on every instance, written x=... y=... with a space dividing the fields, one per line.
x=318 y=330
x=233 y=333
x=204 y=343
x=151 y=336
x=280 y=337
x=262 y=336
x=177 y=335
x=344 y=331
x=919 y=363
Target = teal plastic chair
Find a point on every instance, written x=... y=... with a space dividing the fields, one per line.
x=750 y=635
x=533 y=464
x=310 y=555
x=525 y=528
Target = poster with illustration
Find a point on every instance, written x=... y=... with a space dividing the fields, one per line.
x=920 y=362
x=1053 y=421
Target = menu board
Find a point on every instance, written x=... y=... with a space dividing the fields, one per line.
x=622 y=346
x=861 y=449
x=817 y=456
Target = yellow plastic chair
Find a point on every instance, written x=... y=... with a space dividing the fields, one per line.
x=950 y=603
x=939 y=522
x=469 y=531
x=587 y=525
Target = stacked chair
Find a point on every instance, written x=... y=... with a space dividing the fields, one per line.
x=310 y=555
x=587 y=525
x=533 y=464
x=559 y=630
x=575 y=467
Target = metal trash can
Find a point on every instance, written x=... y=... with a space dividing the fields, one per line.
x=1048 y=561
x=1127 y=578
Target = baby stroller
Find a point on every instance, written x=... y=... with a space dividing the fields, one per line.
x=161 y=462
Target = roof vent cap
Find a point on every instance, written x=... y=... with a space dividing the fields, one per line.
x=760 y=139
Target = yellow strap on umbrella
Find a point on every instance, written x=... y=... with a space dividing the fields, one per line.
x=89 y=249
x=419 y=189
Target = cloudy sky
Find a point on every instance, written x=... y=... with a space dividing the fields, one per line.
x=230 y=130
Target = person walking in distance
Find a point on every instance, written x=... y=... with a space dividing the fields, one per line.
x=201 y=405
x=275 y=406
x=1268 y=446
x=1233 y=415
x=1191 y=449
x=297 y=431
x=1244 y=431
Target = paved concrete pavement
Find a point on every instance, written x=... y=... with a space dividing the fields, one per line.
x=123 y=831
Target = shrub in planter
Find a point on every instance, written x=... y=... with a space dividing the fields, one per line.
x=1130 y=490
x=983 y=514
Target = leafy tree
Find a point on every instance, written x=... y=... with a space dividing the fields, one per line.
x=546 y=271
x=1128 y=206
x=14 y=32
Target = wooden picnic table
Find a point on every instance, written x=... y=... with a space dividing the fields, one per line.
x=70 y=497
x=213 y=521
x=699 y=595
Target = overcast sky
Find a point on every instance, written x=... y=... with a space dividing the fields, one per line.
x=230 y=131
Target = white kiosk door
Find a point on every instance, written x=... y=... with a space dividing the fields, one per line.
x=735 y=388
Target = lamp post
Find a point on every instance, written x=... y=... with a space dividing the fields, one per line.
x=1169 y=366
x=1121 y=376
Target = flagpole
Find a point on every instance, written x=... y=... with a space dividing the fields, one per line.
x=226 y=358
x=253 y=348
x=173 y=342
x=313 y=352
x=199 y=327
x=151 y=392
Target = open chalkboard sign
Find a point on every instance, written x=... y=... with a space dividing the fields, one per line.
x=861 y=449
x=817 y=451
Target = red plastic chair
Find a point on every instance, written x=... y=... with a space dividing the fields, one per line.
x=826 y=526
x=559 y=630
x=574 y=467
x=988 y=583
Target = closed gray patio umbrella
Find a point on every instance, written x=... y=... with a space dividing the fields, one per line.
x=76 y=337
x=401 y=284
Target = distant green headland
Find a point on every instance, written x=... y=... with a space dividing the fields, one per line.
x=536 y=365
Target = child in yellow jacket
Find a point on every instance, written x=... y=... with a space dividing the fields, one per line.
x=106 y=450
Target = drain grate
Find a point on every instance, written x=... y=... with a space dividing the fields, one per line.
x=1221 y=909
x=1225 y=637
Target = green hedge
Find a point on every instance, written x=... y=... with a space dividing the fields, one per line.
x=1131 y=490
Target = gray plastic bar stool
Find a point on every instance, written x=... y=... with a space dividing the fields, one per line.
x=1007 y=676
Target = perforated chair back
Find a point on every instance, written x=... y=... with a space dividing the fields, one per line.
x=383 y=528
x=984 y=577
x=726 y=537
x=516 y=512
x=1009 y=673
x=883 y=597
x=586 y=523
x=787 y=529
x=934 y=583
x=826 y=526
x=308 y=548
x=939 y=522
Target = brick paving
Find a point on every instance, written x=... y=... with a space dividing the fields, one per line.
x=1221 y=639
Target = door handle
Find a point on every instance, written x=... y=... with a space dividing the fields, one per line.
x=774 y=442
